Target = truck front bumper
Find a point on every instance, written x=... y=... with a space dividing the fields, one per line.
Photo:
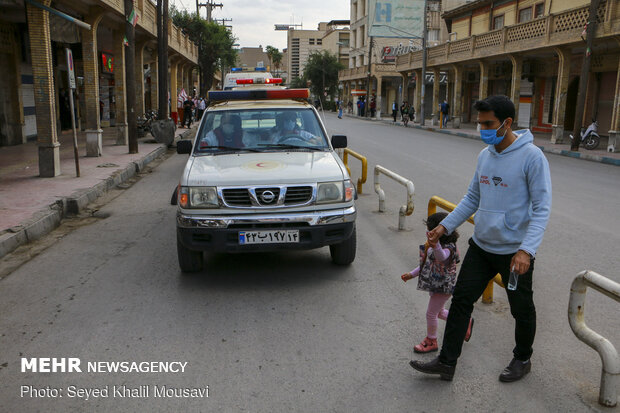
x=221 y=233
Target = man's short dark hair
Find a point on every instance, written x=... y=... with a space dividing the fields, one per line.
x=501 y=106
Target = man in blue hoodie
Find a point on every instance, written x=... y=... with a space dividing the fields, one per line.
x=511 y=196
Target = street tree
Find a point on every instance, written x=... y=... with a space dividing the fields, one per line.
x=215 y=44
x=275 y=57
x=321 y=70
x=298 y=82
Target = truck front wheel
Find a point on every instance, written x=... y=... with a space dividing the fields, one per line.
x=189 y=260
x=344 y=253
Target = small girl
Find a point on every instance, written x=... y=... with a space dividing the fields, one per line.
x=437 y=275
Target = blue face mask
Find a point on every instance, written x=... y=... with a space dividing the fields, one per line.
x=489 y=136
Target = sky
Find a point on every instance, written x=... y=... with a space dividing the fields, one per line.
x=253 y=20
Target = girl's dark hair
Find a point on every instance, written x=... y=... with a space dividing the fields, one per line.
x=433 y=220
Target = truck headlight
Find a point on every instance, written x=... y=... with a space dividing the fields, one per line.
x=198 y=197
x=331 y=192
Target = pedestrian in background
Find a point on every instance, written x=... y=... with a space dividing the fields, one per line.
x=202 y=105
x=437 y=275
x=340 y=109
x=394 y=110
x=511 y=196
x=373 y=107
x=188 y=105
x=445 y=110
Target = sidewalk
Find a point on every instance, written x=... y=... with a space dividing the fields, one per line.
x=542 y=140
x=31 y=206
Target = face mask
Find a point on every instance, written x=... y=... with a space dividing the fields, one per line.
x=489 y=136
x=289 y=125
x=228 y=128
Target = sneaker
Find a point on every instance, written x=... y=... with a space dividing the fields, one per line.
x=426 y=346
x=469 y=329
x=434 y=366
x=515 y=370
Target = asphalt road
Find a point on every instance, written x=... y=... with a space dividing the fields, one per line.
x=285 y=332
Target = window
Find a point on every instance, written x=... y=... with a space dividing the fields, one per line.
x=498 y=22
x=539 y=10
x=311 y=41
x=319 y=41
x=525 y=15
x=433 y=34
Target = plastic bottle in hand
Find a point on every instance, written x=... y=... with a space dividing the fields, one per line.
x=513 y=279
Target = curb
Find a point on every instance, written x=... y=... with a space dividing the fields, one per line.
x=562 y=152
x=48 y=219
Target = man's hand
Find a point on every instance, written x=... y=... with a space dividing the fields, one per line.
x=521 y=262
x=434 y=235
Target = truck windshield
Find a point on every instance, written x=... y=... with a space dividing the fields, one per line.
x=260 y=130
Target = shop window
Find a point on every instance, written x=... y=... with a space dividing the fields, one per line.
x=498 y=22
x=539 y=10
x=525 y=15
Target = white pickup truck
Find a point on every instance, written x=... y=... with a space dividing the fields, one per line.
x=262 y=175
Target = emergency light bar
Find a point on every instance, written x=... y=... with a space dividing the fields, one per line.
x=272 y=80
x=248 y=69
x=253 y=94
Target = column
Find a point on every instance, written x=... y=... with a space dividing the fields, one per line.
x=173 y=88
x=94 y=134
x=140 y=108
x=483 y=90
x=457 y=104
x=614 y=133
x=154 y=82
x=378 y=101
x=436 y=86
x=561 y=90
x=418 y=93
x=515 y=85
x=42 y=70
x=120 y=95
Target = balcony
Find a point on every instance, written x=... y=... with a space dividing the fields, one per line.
x=376 y=69
x=552 y=30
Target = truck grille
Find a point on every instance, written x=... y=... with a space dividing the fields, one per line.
x=237 y=197
x=267 y=196
x=298 y=195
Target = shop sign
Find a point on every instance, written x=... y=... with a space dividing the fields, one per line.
x=107 y=63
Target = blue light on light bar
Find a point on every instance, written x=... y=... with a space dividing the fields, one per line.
x=236 y=69
x=260 y=69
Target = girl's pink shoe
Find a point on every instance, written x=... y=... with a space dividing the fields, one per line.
x=426 y=346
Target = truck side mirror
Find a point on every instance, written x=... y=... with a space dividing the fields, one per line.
x=184 y=146
x=339 y=141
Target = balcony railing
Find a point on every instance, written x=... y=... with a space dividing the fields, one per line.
x=552 y=30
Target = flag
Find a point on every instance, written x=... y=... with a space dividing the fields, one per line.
x=125 y=41
x=133 y=17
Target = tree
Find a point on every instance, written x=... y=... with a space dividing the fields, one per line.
x=298 y=82
x=321 y=70
x=277 y=60
x=215 y=44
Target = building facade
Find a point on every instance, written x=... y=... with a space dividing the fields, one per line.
x=387 y=84
x=34 y=86
x=531 y=51
x=331 y=36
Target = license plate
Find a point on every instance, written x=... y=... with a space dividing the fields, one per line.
x=268 y=237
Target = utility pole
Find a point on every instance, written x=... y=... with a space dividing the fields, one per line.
x=209 y=5
x=366 y=104
x=583 y=78
x=423 y=80
x=130 y=78
x=162 y=51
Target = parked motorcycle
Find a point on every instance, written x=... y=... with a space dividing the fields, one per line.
x=144 y=122
x=589 y=137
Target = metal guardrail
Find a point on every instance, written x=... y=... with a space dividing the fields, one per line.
x=610 y=375
x=405 y=210
x=433 y=203
x=345 y=160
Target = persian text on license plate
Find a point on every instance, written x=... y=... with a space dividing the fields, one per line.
x=268 y=237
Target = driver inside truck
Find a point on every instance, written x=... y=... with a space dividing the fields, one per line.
x=287 y=129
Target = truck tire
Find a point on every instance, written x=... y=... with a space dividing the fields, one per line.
x=344 y=253
x=189 y=261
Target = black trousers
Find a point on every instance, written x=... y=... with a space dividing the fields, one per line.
x=187 y=117
x=478 y=268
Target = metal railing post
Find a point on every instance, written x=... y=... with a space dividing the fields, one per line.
x=405 y=210
x=610 y=375
x=345 y=160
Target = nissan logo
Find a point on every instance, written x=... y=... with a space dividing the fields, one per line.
x=267 y=197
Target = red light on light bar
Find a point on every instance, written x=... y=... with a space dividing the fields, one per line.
x=288 y=94
x=245 y=81
x=273 y=80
